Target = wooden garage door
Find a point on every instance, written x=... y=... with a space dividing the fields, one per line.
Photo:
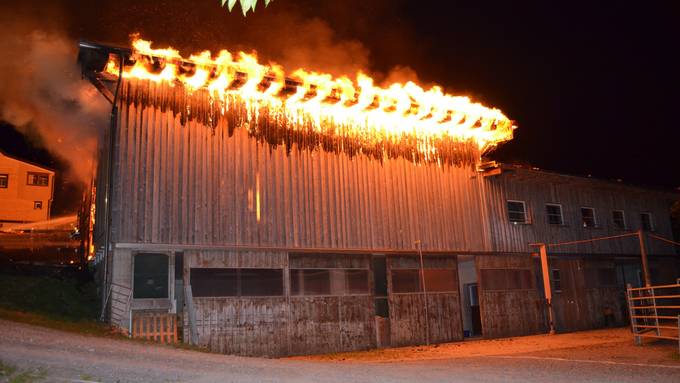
x=510 y=304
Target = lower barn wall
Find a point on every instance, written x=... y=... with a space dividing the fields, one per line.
x=510 y=295
x=285 y=325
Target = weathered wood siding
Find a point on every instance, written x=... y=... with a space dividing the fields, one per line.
x=583 y=301
x=407 y=310
x=286 y=325
x=509 y=312
x=194 y=185
x=539 y=188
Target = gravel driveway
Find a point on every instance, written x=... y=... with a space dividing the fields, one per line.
x=67 y=357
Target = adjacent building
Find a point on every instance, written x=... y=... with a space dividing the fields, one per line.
x=26 y=191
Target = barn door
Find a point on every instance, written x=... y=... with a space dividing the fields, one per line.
x=585 y=294
x=510 y=304
x=418 y=314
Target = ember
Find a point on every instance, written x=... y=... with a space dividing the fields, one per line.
x=312 y=110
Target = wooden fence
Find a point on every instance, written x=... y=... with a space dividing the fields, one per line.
x=159 y=327
x=654 y=312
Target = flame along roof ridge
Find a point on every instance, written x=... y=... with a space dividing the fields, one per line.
x=358 y=106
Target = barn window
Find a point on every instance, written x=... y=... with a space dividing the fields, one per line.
x=406 y=281
x=619 y=219
x=150 y=275
x=232 y=282
x=261 y=282
x=356 y=281
x=588 y=217
x=607 y=276
x=507 y=279
x=4 y=181
x=38 y=179
x=646 y=221
x=517 y=212
x=440 y=280
x=214 y=282
x=556 y=280
x=554 y=213
x=310 y=282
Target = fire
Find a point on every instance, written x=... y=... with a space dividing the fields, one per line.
x=339 y=108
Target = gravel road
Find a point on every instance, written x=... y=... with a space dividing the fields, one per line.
x=67 y=357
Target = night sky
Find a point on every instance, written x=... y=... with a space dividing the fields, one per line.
x=593 y=87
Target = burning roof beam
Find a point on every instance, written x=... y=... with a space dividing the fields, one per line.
x=339 y=107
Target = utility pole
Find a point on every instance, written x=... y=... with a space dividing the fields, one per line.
x=422 y=281
x=643 y=256
x=547 y=288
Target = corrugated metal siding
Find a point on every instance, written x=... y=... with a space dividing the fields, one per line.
x=190 y=184
x=537 y=189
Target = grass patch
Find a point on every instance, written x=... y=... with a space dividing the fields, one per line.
x=6 y=369
x=57 y=298
x=58 y=303
x=11 y=374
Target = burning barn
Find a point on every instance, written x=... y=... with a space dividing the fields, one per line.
x=279 y=215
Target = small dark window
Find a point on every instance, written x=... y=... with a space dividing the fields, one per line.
x=261 y=282
x=556 y=281
x=619 y=219
x=356 y=281
x=38 y=179
x=380 y=287
x=310 y=282
x=37 y=205
x=179 y=265
x=150 y=275
x=406 y=281
x=380 y=276
x=554 y=213
x=517 y=212
x=214 y=282
x=223 y=282
x=4 y=181
x=646 y=221
x=588 y=217
x=440 y=280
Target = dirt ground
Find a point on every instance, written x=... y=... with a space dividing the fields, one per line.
x=48 y=355
x=615 y=345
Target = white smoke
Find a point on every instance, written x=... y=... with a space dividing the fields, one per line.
x=41 y=91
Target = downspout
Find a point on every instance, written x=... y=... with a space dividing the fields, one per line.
x=109 y=184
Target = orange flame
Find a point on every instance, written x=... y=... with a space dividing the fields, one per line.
x=360 y=107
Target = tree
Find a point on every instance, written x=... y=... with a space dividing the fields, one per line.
x=246 y=5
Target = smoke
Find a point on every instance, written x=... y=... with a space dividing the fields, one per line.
x=41 y=92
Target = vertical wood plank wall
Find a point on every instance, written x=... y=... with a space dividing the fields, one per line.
x=191 y=184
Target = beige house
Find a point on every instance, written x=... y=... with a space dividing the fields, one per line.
x=26 y=191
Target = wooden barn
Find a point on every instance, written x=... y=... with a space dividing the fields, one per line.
x=264 y=238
